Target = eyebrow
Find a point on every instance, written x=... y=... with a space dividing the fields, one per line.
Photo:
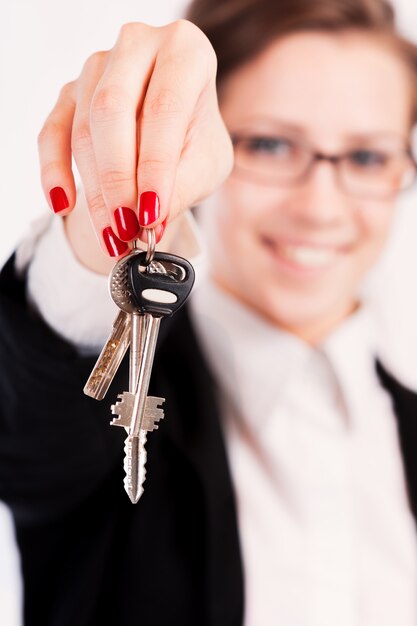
x=302 y=130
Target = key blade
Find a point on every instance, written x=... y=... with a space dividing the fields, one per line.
x=135 y=466
x=149 y=343
x=110 y=358
x=137 y=338
x=148 y=293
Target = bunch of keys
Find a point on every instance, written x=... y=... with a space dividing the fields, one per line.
x=146 y=286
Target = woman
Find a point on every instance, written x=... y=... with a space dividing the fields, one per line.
x=279 y=489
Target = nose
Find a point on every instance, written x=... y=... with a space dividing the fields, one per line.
x=319 y=201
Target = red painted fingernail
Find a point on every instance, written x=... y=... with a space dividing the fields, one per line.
x=126 y=222
x=160 y=230
x=114 y=245
x=148 y=208
x=59 y=199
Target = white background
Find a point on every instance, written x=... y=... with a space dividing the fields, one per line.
x=43 y=44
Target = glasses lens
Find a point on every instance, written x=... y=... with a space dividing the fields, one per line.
x=271 y=159
x=376 y=173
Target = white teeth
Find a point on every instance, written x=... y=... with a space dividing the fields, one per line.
x=307 y=256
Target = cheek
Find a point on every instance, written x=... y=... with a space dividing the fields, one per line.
x=241 y=264
x=374 y=222
x=236 y=209
x=244 y=207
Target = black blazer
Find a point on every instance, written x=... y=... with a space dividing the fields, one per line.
x=89 y=557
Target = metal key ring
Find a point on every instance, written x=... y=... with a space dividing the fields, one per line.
x=150 y=252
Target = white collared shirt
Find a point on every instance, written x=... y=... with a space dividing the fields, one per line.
x=326 y=532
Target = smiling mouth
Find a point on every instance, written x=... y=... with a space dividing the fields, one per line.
x=303 y=257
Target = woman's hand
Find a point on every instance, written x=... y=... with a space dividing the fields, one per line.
x=143 y=125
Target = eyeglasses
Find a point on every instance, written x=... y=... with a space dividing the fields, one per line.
x=377 y=172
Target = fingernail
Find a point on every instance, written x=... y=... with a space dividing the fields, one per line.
x=126 y=222
x=114 y=245
x=148 y=208
x=159 y=231
x=59 y=199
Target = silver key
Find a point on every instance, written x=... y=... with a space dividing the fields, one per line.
x=138 y=412
x=158 y=291
x=119 y=340
x=145 y=295
x=110 y=358
x=135 y=452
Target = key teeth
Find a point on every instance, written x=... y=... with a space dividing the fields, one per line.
x=153 y=413
x=134 y=448
x=133 y=484
x=124 y=406
x=121 y=408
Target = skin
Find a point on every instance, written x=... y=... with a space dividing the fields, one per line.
x=361 y=88
x=142 y=116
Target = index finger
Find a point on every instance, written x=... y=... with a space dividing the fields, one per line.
x=113 y=115
x=181 y=75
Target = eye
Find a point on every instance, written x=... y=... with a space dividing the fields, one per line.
x=277 y=146
x=368 y=158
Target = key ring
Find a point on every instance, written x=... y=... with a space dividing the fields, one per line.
x=150 y=252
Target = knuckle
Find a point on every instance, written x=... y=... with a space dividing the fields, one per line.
x=97 y=57
x=129 y=30
x=67 y=90
x=153 y=167
x=51 y=131
x=96 y=204
x=164 y=102
x=50 y=169
x=81 y=135
x=191 y=39
x=112 y=178
x=152 y=162
x=132 y=32
x=108 y=104
x=183 y=28
x=95 y=60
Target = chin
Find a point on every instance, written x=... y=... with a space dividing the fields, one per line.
x=310 y=318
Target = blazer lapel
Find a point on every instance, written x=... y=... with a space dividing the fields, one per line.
x=405 y=408
x=196 y=431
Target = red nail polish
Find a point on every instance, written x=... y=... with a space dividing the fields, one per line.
x=126 y=222
x=160 y=230
x=59 y=199
x=114 y=245
x=148 y=208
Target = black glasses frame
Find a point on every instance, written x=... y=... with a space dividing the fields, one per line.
x=334 y=159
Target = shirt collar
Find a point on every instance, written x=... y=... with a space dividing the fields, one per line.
x=255 y=363
x=351 y=350
x=251 y=359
